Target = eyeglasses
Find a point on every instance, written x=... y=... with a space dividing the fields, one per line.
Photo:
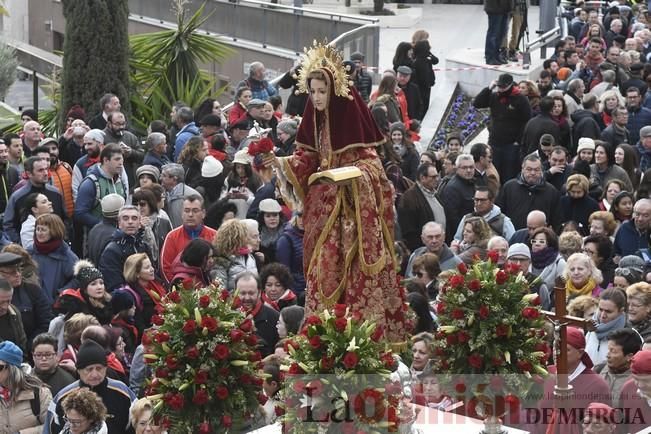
x=74 y=422
x=480 y=199
x=43 y=355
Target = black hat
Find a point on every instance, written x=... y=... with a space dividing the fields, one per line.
x=86 y=272
x=505 y=80
x=7 y=259
x=637 y=66
x=357 y=56
x=121 y=300
x=90 y=353
x=211 y=120
x=241 y=125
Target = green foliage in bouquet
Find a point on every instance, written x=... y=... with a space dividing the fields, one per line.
x=340 y=375
x=492 y=326
x=202 y=353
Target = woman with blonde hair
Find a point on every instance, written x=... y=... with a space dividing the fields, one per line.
x=568 y=243
x=476 y=234
x=609 y=101
x=422 y=352
x=142 y=417
x=639 y=308
x=148 y=290
x=530 y=89
x=583 y=306
x=19 y=389
x=232 y=254
x=581 y=276
x=386 y=93
x=576 y=204
x=602 y=223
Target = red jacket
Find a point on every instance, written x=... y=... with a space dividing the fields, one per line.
x=174 y=244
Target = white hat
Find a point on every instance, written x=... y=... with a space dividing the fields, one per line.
x=211 y=167
x=95 y=134
x=585 y=143
x=242 y=156
x=269 y=205
x=518 y=249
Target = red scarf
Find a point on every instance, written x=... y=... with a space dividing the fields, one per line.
x=113 y=363
x=123 y=324
x=91 y=161
x=47 y=247
x=287 y=296
x=219 y=155
x=504 y=96
x=256 y=309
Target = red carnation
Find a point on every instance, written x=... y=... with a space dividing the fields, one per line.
x=315 y=342
x=313 y=320
x=192 y=352
x=327 y=363
x=340 y=324
x=237 y=303
x=440 y=308
x=451 y=339
x=176 y=401
x=227 y=421
x=357 y=316
x=493 y=256
x=246 y=379
x=340 y=310
x=497 y=361
x=201 y=377
x=236 y=335
x=524 y=366
x=223 y=372
x=536 y=301
x=484 y=311
x=455 y=281
x=161 y=372
x=200 y=397
x=463 y=337
x=350 y=360
x=462 y=268
x=204 y=301
x=388 y=360
x=501 y=277
x=474 y=285
x=290 y=343
x=475 y=360
x=162 y=337
x=157 y=320
x=262 y=398
x=377 y=333
x=530 y=313
x=224 y=295
x=205 y=428
x=255 y=356
x=220 y=352
x=210 y=323
x=247 y=325
x=502 y=330
x=174 y=296
x=295 y=369
x=457 y=313
x=189 y=327
x=221 y=392
x=172 y=362
x=460 y=388
x=262 y=146
x=146 y=339
x=279 y=411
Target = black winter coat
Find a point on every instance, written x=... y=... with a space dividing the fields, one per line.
x=535 y=128
x=585 y=125
x=509 y=112
x=413 y=212
x=516 y=199
x=458 y=201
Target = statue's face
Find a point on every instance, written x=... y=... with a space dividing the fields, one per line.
x=319 y=94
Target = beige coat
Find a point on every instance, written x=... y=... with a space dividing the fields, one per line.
x=19 y=417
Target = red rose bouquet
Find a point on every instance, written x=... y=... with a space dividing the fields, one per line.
x=491 y=326
x=258 y=149
x=205 y=365
x=339 y=377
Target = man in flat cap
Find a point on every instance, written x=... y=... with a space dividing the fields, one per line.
x=414 y=98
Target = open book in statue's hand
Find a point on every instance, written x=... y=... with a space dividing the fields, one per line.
x=340 y=175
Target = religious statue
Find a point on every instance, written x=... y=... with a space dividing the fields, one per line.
x=347 y=200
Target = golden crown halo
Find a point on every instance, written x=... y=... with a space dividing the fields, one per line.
x=324 y=56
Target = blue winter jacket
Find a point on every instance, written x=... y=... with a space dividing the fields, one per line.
x=289 y=251
x=56 y=270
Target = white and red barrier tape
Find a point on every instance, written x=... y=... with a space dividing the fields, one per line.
x=470 y=68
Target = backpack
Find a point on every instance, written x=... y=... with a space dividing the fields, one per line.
x=103 y=188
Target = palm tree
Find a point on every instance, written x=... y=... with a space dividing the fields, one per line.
x=165 y=66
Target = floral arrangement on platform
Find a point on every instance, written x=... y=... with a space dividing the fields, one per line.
x=462 y=117
x=202 y=353
x=339 y=377
x=491 y=326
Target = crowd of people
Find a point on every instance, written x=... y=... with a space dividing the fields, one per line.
x=99 y=224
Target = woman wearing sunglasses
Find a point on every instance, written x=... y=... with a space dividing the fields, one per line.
x=17 y=390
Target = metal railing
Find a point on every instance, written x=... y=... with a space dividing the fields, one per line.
x=269 y=24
